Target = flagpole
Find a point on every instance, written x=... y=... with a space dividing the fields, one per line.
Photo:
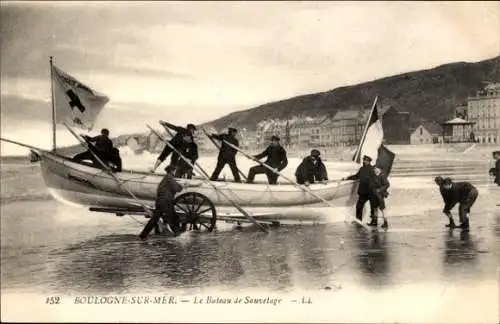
x=358 y=150
x=53 y=108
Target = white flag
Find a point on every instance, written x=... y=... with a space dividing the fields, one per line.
x=75 y=103
x=373 y=138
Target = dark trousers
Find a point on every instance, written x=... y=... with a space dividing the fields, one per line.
x=175 y=157
x=164 y=208
x=221 y=163
x=87 y=155
x=362 y=199
x=379 y=202
x=184 y=170
x=259 y=169
x=466 y=204
x=116 y=161
x=301 y=180
x=83 y=156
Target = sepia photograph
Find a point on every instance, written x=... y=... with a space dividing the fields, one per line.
x=244 y=162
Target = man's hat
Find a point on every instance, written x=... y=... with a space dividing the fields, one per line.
x=438 y=180
x=275 y=138
x=169 y=168
x=191 y=126
x=315 y=152
x=447 y=181
x=366 y=157
x=232 y=130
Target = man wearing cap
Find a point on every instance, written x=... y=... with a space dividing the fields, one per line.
x=365 y=176
x=181 y=138
x=276 y=158
x=189 y=151
x=311 y=169
x=227 y=154
x=495 y=172
x=463 y=193
x=101 y=145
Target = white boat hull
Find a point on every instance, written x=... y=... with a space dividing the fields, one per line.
x=81 y=185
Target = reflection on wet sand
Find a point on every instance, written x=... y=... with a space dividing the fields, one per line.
x=372 y=256
x=460 y=254
x=286 y=258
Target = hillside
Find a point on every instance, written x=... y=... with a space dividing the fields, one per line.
x=431 y=94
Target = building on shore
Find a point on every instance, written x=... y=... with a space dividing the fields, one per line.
x=427 y=133
x=396 y=125
x=458 y=130
x=484 y=110
x=247 y=139
x=347 y=126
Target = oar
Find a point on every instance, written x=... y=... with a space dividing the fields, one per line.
x=107 y=169
x=303 y=188
x=207 y=180
x=218 y=147
x=21 y=144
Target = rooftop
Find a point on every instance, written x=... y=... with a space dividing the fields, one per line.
x=457 y=121
x=432 y=127
x=351 y=114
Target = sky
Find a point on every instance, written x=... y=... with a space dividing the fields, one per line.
x=197 y=61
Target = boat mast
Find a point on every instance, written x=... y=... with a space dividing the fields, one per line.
x=53 y=108
x=358 y=150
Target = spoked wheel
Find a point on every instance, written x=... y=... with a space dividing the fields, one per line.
x=196 y=212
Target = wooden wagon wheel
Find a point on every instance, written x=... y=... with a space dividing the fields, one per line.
x=196 y=212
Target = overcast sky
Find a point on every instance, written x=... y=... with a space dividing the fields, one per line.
x=193 y=62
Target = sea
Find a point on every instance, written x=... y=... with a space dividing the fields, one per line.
x=61 y=263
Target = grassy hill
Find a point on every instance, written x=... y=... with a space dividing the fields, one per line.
x=431 y=94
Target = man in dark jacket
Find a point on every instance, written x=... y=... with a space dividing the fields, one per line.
x=180 y=139
x=164 y=205
x=276 y=158
x=365 y=190
x=227 y=154
x=115 y=160
x=101 y=145
x=311 y=169
x=463 y=193
x=190 y=152
x=495 y=172
x=380 y=186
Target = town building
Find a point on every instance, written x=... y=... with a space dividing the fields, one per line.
x=458 y=130
x=347 y=127
x=247 y=139
x=484 y=110
x=396 y=125
x=427 y=133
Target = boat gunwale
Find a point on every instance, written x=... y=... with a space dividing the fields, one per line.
x=254 y=187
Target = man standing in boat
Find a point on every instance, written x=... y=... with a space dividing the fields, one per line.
x=463 y=193
x=311 y=169
x=276 y=158
x=190 y=152
x=181 y=138
x=102 y=147
x=164 y=205
x=365 y=176
x=227 y=154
